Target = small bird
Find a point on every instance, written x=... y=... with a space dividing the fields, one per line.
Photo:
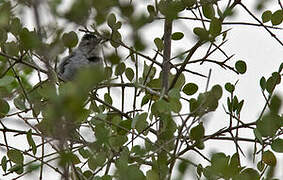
x=85 y=55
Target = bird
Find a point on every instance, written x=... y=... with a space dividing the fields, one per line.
x=87 y=54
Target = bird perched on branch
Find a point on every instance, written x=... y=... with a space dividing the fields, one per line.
x=87 y=54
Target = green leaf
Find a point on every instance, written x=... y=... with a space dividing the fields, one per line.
x=19 y=102
x=111 y=20
x=277 y=145
x=248 y=174
x=170 y=9
x=132 y=172
x=4 y=107
x=74 y=159
x=125 y=127
x=29 y=39
x=180 y=82
x=160 y=107
x=216 y=91
x=174 y=93
x=277 y=17
x=100 y=158
x=241 y=67
x=260 y=166
x=208 y=10
x=18 y=168
x=234 y=164
x=215 y=27
x=108 y=98
x=4 y=92
x=193 y=105
x=46 y=90
x=114 y=59
x=31 y=142
x=145 y=99
x=152 y=175
x=12 y=48
x=118 y=141
x=229 y=87
x=91 y=163
x=268 y=125
x=117 y=26
x=199 y=169
x=277 y=77
x=275 y=104
x=15 y=156
x=116 y=39
x=159 y=44
x=190 y=89
x=108 y=72
x=4 y=163
x=201 y=33
x=120 y=69
x=84 y=153
x=258 y=135
x=269 y=158
x=70 y=39
x=130 y=74
x=155 y=83
x=266 y=16
x=280 y=68
x=6 y=80
x=141 y=123
x=270 y=84
x=68 y=157
x=15 y=26
x=175 y=105
x=177 y=36
x=151 y=10
x=220 y=162
x=240 y=105
x=3 y=36
x=189 y=3
x=197 y=132
x=262 y=83
x=182 y=167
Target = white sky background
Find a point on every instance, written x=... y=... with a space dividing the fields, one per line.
x=254 y=45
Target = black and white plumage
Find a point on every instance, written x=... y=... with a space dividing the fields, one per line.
x=87 y=54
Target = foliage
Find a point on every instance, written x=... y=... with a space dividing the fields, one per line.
x=147 y=128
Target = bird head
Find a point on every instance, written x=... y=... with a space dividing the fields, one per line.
x=89 y=42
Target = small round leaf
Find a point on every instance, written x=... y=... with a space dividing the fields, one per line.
x=177 y=36
x=262 y=83
x=120 y=69
x=190 y=89
x=129 y=74
x=266 y=16
x=4 y=107
x=277 y=17
x=215 y=27
x=15 y=156
x=277 y=145
x=111 y=20
x=70 y=39
x=241 y=67
x=159 y=44
x=208 y=10
x=269 y=158
x=229 y=87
